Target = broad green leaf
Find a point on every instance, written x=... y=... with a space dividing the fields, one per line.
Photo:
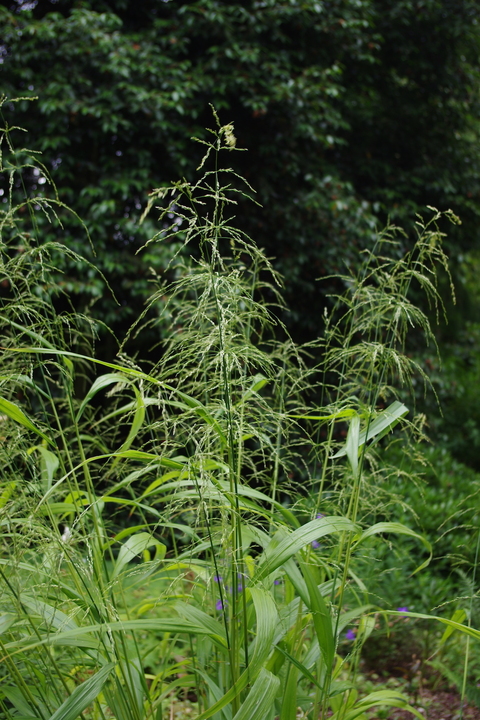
x=202 y=412
x=216 y=693
x=158 y=482
x=295 y=541
x=100 y=383
x=267 y=621
x=83 y=695
x=347 y=617
x=17 y=415
x=190 y=402
x=199 y=617
x=382 y=424
x=398 y=529
x=245 y=491
x=289 y=613
x=341 y=414
x=260 y=698
x=147 y=457
x=322 y=619
x=133 y=547
x=296 y=578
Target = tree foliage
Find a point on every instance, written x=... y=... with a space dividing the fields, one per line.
x=351 y=110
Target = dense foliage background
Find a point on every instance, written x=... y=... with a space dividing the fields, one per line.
x=352 y=111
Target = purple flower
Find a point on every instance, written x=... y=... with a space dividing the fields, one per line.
x=217 y=578
x=315 y=544
x=350 y=635
x=239 y=587
x=219 y=605
x=319 y=515
x=277 y=582
x=402 y=609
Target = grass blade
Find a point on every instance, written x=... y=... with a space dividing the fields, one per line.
x=260 y=698
x=17 y=415
x=295 y=541
x=83 y=695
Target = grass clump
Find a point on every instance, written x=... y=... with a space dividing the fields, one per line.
x=155 y=546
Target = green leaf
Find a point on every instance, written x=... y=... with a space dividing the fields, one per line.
x=382 y=424
x=137 y=423
x=399 y=529
x=49 y=465
x=295 y=541
x=322 y=619
x=303 y=669
x=258 y=382
x=353 y=443
x=51 y=615
x=133 y=547
x=15 y=413
x=100 y=383
x=83 y=695
x=288 y=710
x=391 y=698
x=260 y=698
x=7 y=493
x=6 y=621
x=267 y=621
x=199 y=617
x=458 y=616
x=171 y=625
x=21 y=702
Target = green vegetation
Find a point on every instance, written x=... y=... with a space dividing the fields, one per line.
x=194 y=530
x=353 y=111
